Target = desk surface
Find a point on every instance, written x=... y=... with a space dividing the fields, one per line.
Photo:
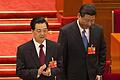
x=116 y=36
x=115 y=52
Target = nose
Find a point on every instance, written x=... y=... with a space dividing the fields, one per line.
x=41 y=35
x=89 y=23
x=42 y=32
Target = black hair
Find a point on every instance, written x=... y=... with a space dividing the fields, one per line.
x=36 y=20
x=88 y=9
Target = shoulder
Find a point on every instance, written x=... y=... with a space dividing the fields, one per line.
x=97 y=27
x=50 y=42
x=26 y=45
x=69 y=26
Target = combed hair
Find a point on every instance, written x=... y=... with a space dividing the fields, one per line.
x=36 y=20
x=87 y=9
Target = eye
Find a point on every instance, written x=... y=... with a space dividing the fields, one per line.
x=41 y=30
x=38 y=30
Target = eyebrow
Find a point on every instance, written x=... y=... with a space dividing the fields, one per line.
x=42 y=28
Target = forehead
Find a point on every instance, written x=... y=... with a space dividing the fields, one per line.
x=40 y=26
x=89 y=16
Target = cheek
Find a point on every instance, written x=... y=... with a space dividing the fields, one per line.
x=89 y=24
x=85 y=23
x=36 y=35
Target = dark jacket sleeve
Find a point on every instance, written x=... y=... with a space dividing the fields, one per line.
x=21 y=70
x=102 y=55
x=62 y=54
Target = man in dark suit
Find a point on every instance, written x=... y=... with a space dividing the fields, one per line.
x=82 y=47
x=31 y=64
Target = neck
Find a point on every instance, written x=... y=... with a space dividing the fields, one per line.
x=40 y=41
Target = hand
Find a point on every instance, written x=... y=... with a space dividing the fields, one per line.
x=40 y=70
x=98 y=77
x=52 y=64
x=47 y=72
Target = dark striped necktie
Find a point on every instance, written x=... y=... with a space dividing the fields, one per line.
x=84 y=38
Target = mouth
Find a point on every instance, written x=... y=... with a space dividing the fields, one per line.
x=41 y=36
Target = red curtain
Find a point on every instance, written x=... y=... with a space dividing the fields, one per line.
x=117 y=21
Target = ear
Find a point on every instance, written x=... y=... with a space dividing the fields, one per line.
x=31 y=30
x=78 y=15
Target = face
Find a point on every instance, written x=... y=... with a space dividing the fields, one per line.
x=40 y=32
x=86 y=21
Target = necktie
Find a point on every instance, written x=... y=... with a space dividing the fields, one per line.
x=84 y=38
x=41 y=55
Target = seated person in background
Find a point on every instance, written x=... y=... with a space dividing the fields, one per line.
x=35 y=58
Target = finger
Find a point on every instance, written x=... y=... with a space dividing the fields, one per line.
x=43 y=66
x=44 y=73
x=96 y=78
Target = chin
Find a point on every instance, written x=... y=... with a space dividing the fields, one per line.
x=86 y=27
x=41 y=38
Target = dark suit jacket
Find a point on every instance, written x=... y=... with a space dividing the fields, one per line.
x=77 y=63
x=27 y=60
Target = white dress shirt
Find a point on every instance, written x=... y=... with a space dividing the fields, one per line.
x=38 y=48
x=81 y=29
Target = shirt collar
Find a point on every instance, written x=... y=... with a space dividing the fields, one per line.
x=38 y=44
x=81 y=29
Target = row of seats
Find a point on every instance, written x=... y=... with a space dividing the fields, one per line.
x=27 y=14
x=20 y=20
x=24 y=24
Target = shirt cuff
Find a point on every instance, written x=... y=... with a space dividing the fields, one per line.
x=38 y=76
x=99 y=76
x=50 y=72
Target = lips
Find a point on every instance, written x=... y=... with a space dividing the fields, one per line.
x=41 y=36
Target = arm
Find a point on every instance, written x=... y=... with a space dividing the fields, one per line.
x=22 y=70
x=102 y=55
x=62 y=54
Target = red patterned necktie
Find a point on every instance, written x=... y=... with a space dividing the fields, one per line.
x=41 y=55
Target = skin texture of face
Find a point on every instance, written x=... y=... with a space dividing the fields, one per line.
x=86 y=21
x=40 y=32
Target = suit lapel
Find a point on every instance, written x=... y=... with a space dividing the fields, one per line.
x=78 y=36
x=48 y=52
x=77 y=32
x=91 y=37
x=34 y=54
